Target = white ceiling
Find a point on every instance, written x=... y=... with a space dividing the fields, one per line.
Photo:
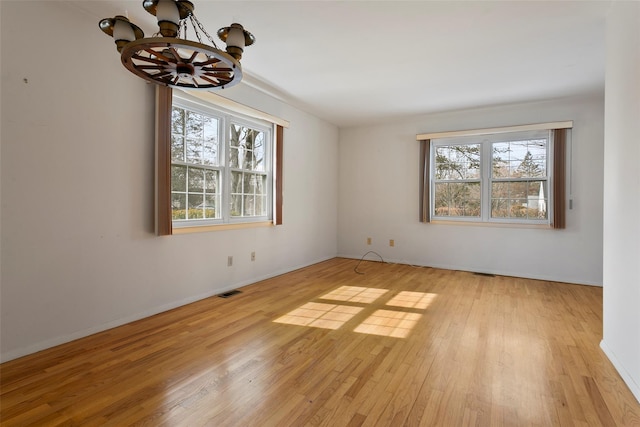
x=357 y=62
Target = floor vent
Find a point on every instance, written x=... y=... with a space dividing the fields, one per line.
x=485 y=274
x=230 y=293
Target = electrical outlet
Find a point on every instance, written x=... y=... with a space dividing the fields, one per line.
x=229 y=261
x=368 y=240
x=253 y=256
x=392 y=242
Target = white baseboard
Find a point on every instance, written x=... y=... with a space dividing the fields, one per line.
x=485 y=271
x=626 y=377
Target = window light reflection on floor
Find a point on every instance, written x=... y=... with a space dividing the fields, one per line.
x=420 y=300
x=389 y=323
x=319 y=315
x=355 y=294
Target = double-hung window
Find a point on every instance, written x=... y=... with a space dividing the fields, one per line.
x=220 y=166
x=496 y=176
x=216 y=165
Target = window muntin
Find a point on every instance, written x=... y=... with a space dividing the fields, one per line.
x=220 y=167
x=498 y=178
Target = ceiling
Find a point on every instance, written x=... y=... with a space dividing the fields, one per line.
x=359 y=62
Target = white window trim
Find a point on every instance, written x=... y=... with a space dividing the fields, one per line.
x=504 y=129
x=490 y=135
x=207 y=98
x=235 y=113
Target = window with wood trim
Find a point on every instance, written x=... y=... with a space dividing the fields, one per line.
x=215 y=166
x=494 y=176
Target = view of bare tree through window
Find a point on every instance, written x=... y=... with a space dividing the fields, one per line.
x=457 y=174
x=516 y=179
x=519 y=179
x=248 y=175
x=195 y=175
x=219 y=167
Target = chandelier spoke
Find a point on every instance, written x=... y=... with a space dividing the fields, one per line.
x=150 y=67
x=176 y=55
x=216 y=70
x=161 y=56
x=163 y=76
x=213 y=80
x=148 y=59
x=193 y=56
x=207 y=62
x=216 y=76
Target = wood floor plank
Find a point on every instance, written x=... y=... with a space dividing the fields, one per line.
x=325 y=346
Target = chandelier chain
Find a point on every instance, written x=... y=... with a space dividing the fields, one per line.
x=182 y=31
x=194 y=22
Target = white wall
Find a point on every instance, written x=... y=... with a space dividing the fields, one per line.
x=378 y=198
x=78 y=250
x=621 y=340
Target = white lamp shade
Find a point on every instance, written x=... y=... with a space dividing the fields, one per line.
x=122 y=30
x=167 y=10
x=235 y=37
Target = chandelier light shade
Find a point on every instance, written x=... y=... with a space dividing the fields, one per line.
x=169 y=58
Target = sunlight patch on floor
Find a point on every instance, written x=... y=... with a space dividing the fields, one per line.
x=389 y=323
x=407 y=299
x=319 y=315
x=355 y=294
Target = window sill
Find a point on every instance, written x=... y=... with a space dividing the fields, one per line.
x=220 y=227
x=490 y=224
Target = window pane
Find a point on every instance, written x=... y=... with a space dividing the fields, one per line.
x=519 y=199
x=236 y=182
x=210 y=207
x=249 y=206
x=522 y=159
x=236 y=157
x=211 y=181
x=458 y=162
x=177 y=120
x=235 y=205
x=250 y=183
x=178 y=178
x=196 y=209
x=261 y=184
x=196 y=180
x=210 y=141
x=177 y=148
x=194 y=151
x=457 y=199
x=194 y=125
x=178 y=206
x=258 y=154
x=261 y=205
x=247 y=148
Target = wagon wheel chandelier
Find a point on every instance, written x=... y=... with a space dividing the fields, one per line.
x=168 y=58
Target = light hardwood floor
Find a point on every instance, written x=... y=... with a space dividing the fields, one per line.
x=325 y=346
